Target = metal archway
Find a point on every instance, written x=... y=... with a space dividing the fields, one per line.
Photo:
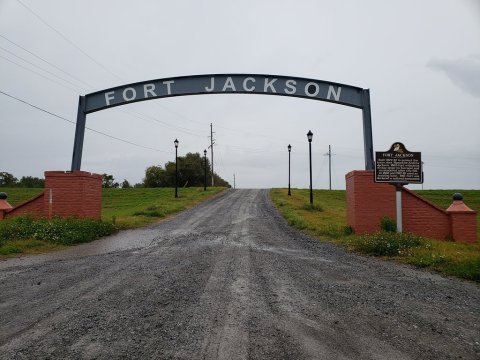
x=225 y=84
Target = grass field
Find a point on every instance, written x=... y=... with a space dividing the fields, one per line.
x=326 y=220
x=16 y=196
x=130 y=208
x=134 y=207
x=125 y=208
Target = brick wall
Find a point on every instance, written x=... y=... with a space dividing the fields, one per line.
x=423 y=218
x=77 y=193
x=463 y=220
x=33 y=207
x=368 y=202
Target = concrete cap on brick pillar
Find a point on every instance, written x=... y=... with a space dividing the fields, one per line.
x=458 y=205
x=4 y=205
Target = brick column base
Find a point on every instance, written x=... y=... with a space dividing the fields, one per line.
x=368 y=202
x=76 y=193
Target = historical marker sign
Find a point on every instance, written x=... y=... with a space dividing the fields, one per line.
x=398 y=166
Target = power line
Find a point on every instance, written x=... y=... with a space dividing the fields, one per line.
x=47 y=62
x=110 y=72
x=133 y=114
x=174 y=127
x=69 y=41
x=38 y=67
x=33 y=71
x=86 y=127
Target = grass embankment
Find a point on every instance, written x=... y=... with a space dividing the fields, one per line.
x=121 y=209
x=327 y=220
x=131 y=208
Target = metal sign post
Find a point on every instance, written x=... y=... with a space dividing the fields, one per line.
x=398 y=202
x=398 y=167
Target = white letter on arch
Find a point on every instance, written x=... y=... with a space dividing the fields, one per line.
x=149 y=89
x=168 y=83
x=109 y=96
x=134 y=94
x=269 y=84
x=252 y=88
x=291 y=84
x=229 y=84
x=212 y=82
x=336 y=94
x=315 y=93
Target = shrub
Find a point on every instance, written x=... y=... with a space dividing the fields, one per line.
x=388 y=224
x=348 y=230
x=57 y=231
x=386 y=243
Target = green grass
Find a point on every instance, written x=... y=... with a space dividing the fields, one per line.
x=16 y=196
x=329 y=223
x=63 y=231
x=131 y=208
x=25 y=234
x=121 y=209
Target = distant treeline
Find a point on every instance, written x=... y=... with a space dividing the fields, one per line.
x=191 y=173
x=8 y=180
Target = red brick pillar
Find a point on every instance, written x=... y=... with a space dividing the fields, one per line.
x=76 y=193
x=367 y=201
x=463 y=220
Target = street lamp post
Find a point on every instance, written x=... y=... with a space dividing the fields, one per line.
x=309 y=137
x=289 y=151
x=205 y=158
x=176 y=167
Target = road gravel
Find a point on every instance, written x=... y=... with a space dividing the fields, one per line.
x=229 y=279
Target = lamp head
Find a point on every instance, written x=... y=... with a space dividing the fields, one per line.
x=309 y=136
x=289 y=147
x=176 y=143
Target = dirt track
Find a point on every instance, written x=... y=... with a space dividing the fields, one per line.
x=229 y=280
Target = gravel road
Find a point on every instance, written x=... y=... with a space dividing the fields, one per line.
x=229 y=279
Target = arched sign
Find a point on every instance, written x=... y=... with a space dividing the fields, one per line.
x=225 y=84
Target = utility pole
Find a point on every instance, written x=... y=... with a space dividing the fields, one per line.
x=329 y=167
x=212 y=141
x=234 y=181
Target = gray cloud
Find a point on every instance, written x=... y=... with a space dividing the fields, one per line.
x=463 y=72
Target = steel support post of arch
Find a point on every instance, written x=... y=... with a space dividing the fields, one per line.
x=367 y=131
x=79 y=135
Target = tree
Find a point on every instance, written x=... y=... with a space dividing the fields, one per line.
x=191 y=172
x=155 y=176
x=109 y=182
x=219 y=181
x=31 y=182
x=126 y=184
x=7 y=180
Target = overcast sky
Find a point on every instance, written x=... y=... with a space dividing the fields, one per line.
x=420 y=60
